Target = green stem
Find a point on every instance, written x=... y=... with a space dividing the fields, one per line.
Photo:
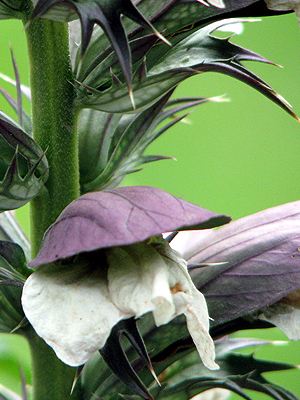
x=54 y=128
x=54 y=121
x=52 y=380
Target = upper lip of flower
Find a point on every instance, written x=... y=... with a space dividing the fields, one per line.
x=120 y=217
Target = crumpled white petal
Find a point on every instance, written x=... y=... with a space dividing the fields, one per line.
x=160 y=283
x=74 y=307
x=190 y=302
x=70 y=308
x=285 y=315
x=141 y=284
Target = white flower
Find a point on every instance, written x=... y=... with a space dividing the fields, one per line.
x=284 y=5
x=70 y=308
x=74 y=307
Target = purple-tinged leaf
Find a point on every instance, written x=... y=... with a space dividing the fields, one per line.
x=18 y=87
x=166 y=67
x=24 y=166
x=116 y=358
x=107 y=14
x=120 y=217
x=263 y=262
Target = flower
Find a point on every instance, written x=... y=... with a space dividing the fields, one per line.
x=74 y=308
x=260 y=275
x=122 y=269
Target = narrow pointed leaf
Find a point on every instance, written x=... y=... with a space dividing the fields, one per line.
x=168 y=66
x=108 y=16
x=27 y=126
x=116 y=358
x=115 y=147
x=19 y=91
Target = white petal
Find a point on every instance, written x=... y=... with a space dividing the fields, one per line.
x=197 y=320
x=69 y=307
x=190 y=302
x=285 y=317
x=138 y=282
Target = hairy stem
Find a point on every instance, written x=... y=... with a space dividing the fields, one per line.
x=52 y=380
x=54 y=121
x=54 y=128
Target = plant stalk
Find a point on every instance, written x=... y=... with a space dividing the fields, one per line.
x=52 y=379
x=54 y=129
x=54 y=121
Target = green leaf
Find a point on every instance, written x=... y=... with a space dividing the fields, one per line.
x=112 y=145
x=169 y=17
x=13 y=273
x=183 y=375
x=164 y=68
x=187 y=376
x=12 y=232
x=26 y=120
x=23 y=166
x=189 y=13
x=11 y=9
x=22 y=90
x=107 y=14
x=116 y=358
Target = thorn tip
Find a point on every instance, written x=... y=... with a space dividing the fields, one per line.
x=131 y=96
x=151 y=369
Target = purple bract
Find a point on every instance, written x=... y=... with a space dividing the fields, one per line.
x=119 y=217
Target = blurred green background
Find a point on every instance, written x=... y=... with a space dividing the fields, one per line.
x=235 y=158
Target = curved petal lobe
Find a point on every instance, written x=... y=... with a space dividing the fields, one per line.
x=71 y=310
